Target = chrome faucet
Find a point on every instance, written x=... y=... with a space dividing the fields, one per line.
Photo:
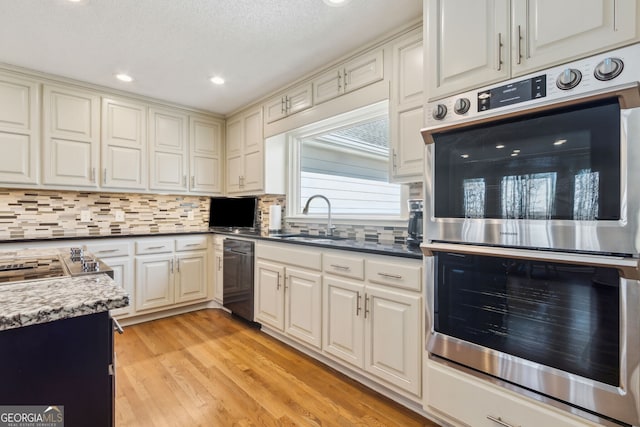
x=305 y=211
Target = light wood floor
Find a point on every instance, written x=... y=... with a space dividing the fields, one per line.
x=207 y=369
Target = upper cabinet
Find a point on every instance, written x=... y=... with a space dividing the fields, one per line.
x=19 y=130
x=71 y=136
x=205 y=155
x=359 y=72
x=294 y=100
x=406 y=109
x=245 y=154
x=168 y=150
x=124 y=144
x=472 y=43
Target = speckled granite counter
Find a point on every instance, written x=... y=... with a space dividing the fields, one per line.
x=41 y=301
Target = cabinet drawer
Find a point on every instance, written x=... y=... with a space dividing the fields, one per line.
x=473 y=402
x=154 y=246
x=343 y=265
x=109 y=250
x=289 y=254
x=399 y=274
x=191 y=243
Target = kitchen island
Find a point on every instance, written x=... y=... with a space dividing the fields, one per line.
x=56 y=345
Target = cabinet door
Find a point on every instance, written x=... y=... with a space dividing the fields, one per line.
x=275 y=109
x=408 y=75
x=123 y=275
x=124 y=141
x=468 y=44
x=543 y=36
x=460 y=398
x=219 y=276
x=328 y=86
x=253 y=174
x=206 y=155
x=303 y=305
x=299 y=98
x=393 y=338
x=343 y=320
x=154 y=281
x=191 y=278
x=71 y=136
x=269 y=294
x=19 y=130
x=363 y=71
x=235 y=160
x=408 y=146
x=168 y=146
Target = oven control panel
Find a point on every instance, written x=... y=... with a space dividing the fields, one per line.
x=597 y=74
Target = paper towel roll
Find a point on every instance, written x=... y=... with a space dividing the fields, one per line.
x=275 y=218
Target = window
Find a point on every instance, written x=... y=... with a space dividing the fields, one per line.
x=346 y=159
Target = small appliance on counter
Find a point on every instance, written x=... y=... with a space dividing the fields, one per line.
x=414 y=232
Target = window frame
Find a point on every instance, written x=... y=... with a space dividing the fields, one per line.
x=293 y=142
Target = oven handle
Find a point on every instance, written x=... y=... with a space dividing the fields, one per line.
x=629 y=267
x=627 y=94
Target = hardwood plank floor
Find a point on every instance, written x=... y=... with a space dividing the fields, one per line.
x=208 y=369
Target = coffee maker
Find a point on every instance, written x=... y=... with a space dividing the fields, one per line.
x=414 y=232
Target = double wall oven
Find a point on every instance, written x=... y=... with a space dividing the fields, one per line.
x=532 y=213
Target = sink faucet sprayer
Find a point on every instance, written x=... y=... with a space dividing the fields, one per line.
x=305 y=211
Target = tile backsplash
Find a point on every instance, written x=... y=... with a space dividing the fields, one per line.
x=46 y=213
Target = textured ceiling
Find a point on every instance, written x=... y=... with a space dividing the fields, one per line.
x=173 y=47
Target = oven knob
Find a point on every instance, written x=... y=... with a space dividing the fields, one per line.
x=608 y=68
x=439 y=112
x=568 y=79
x=462 y=105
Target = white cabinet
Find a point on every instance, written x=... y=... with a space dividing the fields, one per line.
x=543 y=36
x=406 y=109
x=19 y=130
x=373 y=324
x=118 y=256
x=472 y=43
x=205 y=155
x=71 y=136
x=170 y=271
x=245 y=154
x=218 y=268
x=288 y=291
x=359 y=72
x=463 y=400
x=168 y=149
x=294 y=100
x=124 y=144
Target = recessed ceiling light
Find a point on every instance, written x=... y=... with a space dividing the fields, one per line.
x=499 y=146
x=560 y=142
x=516 y=151
x=464 y=156
x=217 y=80
x=514 y=154
x=124 y=77
x=336 y=3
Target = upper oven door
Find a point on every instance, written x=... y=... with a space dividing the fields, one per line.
x=551 y=177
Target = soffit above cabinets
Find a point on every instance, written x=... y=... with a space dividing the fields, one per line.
x=172 y=48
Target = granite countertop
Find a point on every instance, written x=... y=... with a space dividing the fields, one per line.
x=40 y=301
x=130 y=233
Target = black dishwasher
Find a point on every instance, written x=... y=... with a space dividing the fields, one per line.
x=237 y=288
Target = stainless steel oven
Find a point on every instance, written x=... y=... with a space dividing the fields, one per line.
x=528 y=164
x=532 y=213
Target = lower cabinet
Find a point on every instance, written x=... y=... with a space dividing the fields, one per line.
x=218 y=249
x=464 y=400
x=375 y=329
x=289 y=298
x=170 y=271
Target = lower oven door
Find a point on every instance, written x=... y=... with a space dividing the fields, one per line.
x=563 y=325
